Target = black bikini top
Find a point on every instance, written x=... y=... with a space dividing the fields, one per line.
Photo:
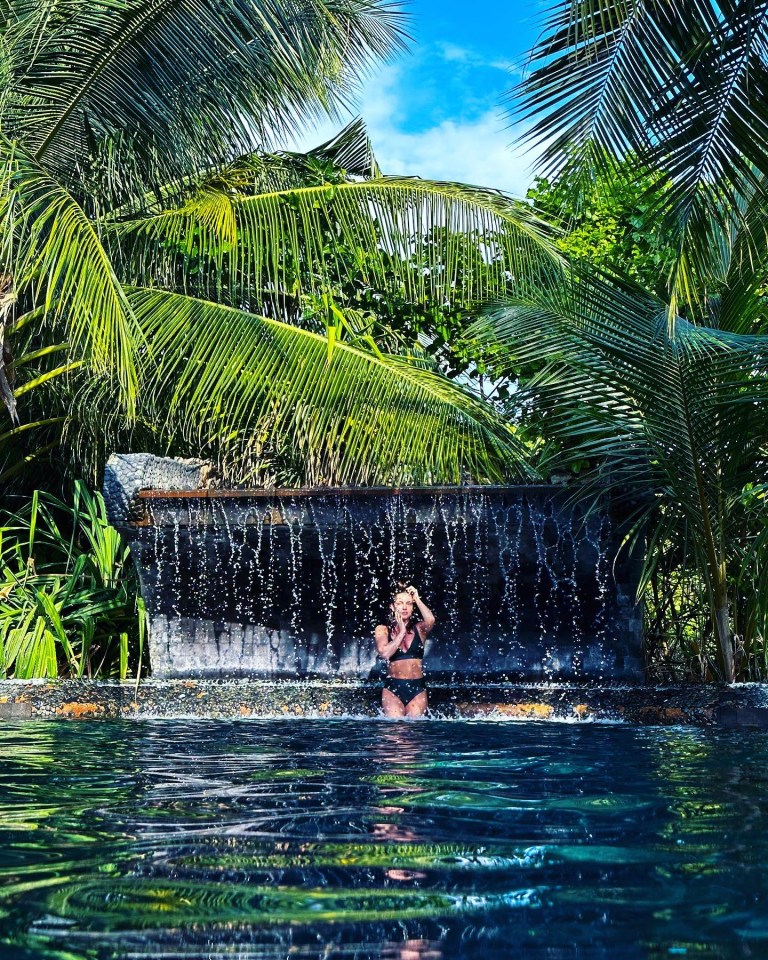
x=414 y=652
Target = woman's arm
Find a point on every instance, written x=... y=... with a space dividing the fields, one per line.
x=386 y=646
x=427 y=617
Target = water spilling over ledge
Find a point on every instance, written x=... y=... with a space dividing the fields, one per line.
x=700 y=705
x=290 y=584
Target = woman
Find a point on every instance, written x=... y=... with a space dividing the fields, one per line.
x=402 y=644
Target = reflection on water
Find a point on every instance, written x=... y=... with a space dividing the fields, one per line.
x=347 y=839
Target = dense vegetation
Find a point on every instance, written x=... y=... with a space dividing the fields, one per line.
x=665 y=388
x=174 y=282
x=163 y=259
x=672 y=416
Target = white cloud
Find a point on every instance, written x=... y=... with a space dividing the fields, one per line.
x=479 y=150
x=451 y=52
x=473 y=151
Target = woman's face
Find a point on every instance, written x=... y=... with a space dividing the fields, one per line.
x=403 y=606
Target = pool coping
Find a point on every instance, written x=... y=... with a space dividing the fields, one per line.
x=710 y=705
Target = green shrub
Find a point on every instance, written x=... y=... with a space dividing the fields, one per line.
x=69 y=599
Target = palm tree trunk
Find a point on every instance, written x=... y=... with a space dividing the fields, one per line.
x=720 y=610
x=717 y=588
x=723 y=630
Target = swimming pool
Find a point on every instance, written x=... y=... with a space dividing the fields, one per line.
x=369 y=839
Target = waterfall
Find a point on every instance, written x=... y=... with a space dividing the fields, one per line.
x=522 y=582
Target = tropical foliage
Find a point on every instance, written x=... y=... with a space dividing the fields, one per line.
x=651 y=399
x=146 y=165
x=675 y=427
x=681 y=88
x=607 y=223
x=68 y=597
x=171 y=281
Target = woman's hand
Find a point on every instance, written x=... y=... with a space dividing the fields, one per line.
x=427 y=617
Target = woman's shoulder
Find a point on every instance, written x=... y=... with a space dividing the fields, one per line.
x=381 y=627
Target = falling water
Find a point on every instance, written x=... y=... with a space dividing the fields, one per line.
x=521 y=581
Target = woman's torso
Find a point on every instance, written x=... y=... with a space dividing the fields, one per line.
x=409 y=667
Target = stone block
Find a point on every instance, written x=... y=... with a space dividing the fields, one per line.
x=15 y=711
x=742 y=716
x=128 y=473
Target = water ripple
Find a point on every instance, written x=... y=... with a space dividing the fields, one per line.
x=336 y=840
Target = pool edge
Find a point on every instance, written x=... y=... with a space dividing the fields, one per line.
x=711 y=705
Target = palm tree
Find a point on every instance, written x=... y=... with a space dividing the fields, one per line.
x=146 y=220
x=682 y=88
x=676 y=426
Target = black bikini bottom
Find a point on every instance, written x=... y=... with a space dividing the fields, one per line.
x=405 y=690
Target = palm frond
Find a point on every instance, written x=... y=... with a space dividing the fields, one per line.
x=595 y=71
x=229 y=380
x=279 y=244
x=58 y=259
x=740 y=305
x=620 y=389
x=154 y=89
x=350 y=150
x=348 y=154
x=682 y=86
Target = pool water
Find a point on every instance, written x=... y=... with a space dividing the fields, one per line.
x=371 y=839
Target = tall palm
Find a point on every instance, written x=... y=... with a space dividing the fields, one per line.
x=683 y=88
x=102 y=103
x=118 y=161
x=676 y=426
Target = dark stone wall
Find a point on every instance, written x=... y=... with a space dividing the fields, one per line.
x=523 y=586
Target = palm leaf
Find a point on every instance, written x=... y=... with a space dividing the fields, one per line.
x=349 y=150
x=286 y=242
x=682 y=86
x=740 y=304
x=156 y=89
x=594 y=70
x=616 y=378
x=225 y=379
x=59 y=260
x=348 y=154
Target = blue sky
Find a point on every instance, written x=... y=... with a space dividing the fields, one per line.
x=438 y=111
